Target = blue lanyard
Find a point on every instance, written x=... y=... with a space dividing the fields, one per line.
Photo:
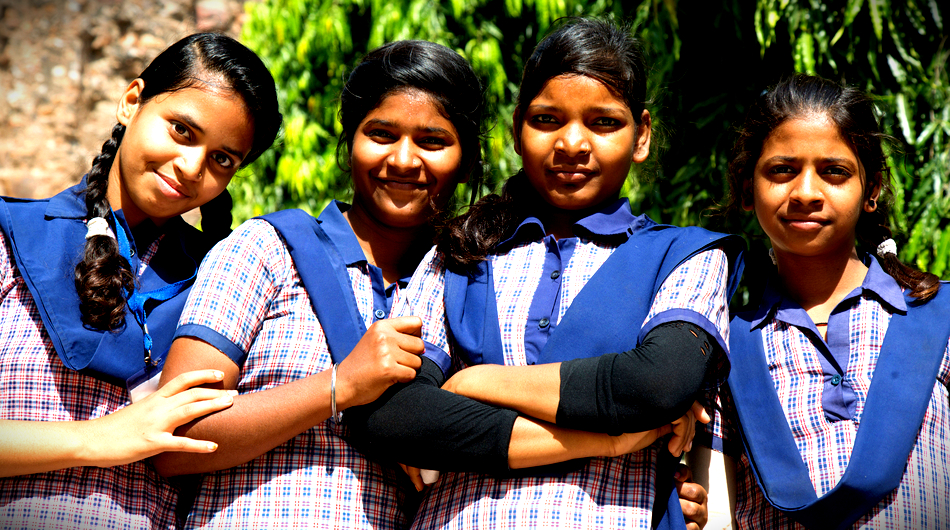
x=136 y=300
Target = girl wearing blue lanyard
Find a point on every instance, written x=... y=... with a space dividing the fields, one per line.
x=532 y=290
x=841 y=368
x=94 y=280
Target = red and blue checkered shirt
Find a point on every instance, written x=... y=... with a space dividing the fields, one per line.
x=250 y=298
x=922 y=501
x=35 y=386
x=607 y=492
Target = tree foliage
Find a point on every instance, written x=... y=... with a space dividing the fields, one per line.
x=708 y=59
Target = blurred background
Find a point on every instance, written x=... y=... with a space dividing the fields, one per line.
x=63 y=64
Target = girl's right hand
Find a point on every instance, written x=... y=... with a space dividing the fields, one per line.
x=388 y=353
x=147 y=427
x=685 y=428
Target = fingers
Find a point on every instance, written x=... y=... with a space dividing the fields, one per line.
x=408 y=325
x=683 y=473
x=187 y=445
x=692 y=501
x=699 y=411
x=191 y=379
x=201 y=402
x=415 y=475
x=683 y=431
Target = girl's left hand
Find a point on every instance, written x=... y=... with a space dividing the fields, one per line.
x=685 y=428
x=415 y=475
x=147 y=427
x=693 y=498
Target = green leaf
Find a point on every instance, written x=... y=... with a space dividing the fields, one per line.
x=877 y=8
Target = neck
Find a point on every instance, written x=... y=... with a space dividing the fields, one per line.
x=819 y=283
x=559 y=222
x=389 y=248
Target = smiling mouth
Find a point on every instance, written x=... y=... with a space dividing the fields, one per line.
x=169 y=187
x=402 y=184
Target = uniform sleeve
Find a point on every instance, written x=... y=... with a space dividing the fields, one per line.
x=682 y=353
x=236 y=282
x=7 y=270
x=640 y=389
x=418 y=423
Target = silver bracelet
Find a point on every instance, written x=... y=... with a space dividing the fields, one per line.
x=333 y=413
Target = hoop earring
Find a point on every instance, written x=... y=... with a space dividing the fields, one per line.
x=872 y=203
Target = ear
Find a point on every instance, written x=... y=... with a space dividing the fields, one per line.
x=129 y=102
x=874 y=193
x=746 y=198
x=516 y=130
x=644 y=132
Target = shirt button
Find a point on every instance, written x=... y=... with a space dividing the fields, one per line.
x=835 y=379
x=543 y=323
x=380 y=314
x=555 y=275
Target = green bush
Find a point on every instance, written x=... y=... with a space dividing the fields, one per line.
x=708 y=60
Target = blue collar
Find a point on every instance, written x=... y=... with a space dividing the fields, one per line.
x=338 y=229
x=877 y=284
x=614 y=221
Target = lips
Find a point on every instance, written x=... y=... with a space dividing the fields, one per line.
x=570 y=174
x=169 y=187
x=402 y=184
x=805 y=223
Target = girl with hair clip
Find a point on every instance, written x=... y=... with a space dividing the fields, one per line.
x=93 y=283
x=531 y=291
x=838 y=389
x=294 y=309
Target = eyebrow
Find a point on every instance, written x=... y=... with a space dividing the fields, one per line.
x=826 y=160
x=190 y=122
x=389 y=123
x=600 y=110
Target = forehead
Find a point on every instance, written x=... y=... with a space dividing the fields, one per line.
x=411 y=108
x=580 y=91
x=812 y=135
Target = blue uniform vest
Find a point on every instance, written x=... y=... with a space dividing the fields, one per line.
x=604 y=315
x=898 y=397
x=47 y=237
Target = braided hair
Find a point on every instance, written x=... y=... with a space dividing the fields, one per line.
x=103 y=277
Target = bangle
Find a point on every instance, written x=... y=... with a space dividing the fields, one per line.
x=334 y=415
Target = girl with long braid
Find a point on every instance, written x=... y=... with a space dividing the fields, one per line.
x=93 y=280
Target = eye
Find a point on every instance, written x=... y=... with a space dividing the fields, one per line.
x=180 y=129
x=543 y=118
x=223 y=160
x=604 y=121
x=779 y=170
x=380 y=135
x=432 y=142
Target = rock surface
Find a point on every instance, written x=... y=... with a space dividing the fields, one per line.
x=63 y=65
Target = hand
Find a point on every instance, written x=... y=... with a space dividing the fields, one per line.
x=147 y=427
x=685 y=428
x=388 y=353
x=415 y=475
x=631 y=442
x=693 y=499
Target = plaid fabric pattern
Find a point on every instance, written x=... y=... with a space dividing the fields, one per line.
x=250 y=293
x=34 y=385
x=922 y=501
x=606 y=493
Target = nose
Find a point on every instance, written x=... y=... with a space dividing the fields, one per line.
x=190 y=162
x=573 y=141
x=404 y=158
x=807 y=189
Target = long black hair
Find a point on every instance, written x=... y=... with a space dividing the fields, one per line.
x=852 y=111
x=103 y=274
x=594 y=48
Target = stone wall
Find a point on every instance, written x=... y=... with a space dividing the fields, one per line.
x=63 y=66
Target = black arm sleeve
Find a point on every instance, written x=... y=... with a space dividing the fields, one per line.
x=640 y=389
x=421 y=425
